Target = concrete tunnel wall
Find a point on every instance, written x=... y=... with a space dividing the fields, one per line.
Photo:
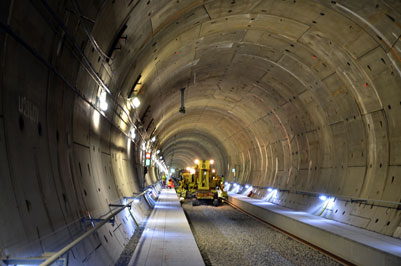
x=296 y=95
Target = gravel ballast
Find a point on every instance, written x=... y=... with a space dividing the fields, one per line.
x=226 y=236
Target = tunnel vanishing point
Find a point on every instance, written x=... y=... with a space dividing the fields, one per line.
x=303 y=96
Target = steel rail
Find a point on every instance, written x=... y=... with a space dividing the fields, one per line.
x=296 y=238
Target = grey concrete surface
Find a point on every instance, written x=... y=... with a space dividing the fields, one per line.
x=356 y=245
x=299 y=95
x=167 y=238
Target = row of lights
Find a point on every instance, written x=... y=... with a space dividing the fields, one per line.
x=211 y=161
x=270 y=189
x=192 y=170
x=135 y=103
x=160 y=162
x=103 y=105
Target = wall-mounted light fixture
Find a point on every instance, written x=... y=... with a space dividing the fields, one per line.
x=323 y=197
x=135 y=102
x=132 y=133
x=102 y=101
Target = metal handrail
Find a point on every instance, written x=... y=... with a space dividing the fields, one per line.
x=64 y=250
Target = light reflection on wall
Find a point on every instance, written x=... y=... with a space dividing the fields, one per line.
x=96 y=119
x=271 y=194
x=129 y=146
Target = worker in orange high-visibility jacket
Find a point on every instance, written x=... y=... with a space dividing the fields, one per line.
x=170 y=183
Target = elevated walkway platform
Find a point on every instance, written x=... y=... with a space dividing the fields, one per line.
x=167 y=238
x=353 y=244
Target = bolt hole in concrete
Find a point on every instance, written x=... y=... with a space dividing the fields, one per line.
x=21 y=123
x=226 y=236
x=28 y=205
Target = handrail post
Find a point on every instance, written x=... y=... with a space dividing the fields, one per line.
x=64 y=250
x=146 y=200
x=132 y=216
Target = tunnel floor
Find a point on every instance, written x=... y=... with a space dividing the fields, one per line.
x=226 y=236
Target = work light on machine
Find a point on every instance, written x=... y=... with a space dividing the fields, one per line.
x=211 y=161
x=196 y=161
x=213 y=171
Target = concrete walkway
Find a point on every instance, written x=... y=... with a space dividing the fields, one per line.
x=356 y=245
x=167 y=238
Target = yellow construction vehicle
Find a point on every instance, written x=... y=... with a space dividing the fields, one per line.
x=209 y=186
x=186 y=187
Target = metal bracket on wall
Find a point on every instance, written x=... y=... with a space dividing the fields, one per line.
x=33 y=261
x=94 y=220
x=129 y=210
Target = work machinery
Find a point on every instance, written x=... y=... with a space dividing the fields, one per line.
x=209 y=186
x=186 y=187
x=201 y=184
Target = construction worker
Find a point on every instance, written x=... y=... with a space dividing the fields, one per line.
x=164 y=180
x=170 y=183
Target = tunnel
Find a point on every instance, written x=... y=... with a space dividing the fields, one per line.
x=299 y=97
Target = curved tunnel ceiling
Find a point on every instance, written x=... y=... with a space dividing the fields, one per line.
x=303 y=96
x=296 y=93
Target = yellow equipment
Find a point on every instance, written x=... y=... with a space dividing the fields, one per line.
x=164 y=180
x=187 y=186
x=208 y=186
